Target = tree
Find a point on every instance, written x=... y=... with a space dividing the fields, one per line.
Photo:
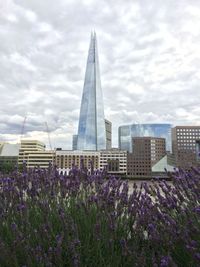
x=7 y=167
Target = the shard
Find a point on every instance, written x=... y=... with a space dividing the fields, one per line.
x=91 y=129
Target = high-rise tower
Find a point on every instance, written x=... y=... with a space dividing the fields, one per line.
x=91 y=129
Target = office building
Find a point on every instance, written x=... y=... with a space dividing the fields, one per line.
x=108 y=126
x=127 y=132
x=185 y=145
x=74 y=141
x=147 y=151
x=65 y=159
x=198 y=151
x=114 y=160
x=28 y=146
x=91 y=128
x=34 y=154
x=41 y=159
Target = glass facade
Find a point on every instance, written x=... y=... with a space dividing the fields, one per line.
x=125 y=134
x=91 y=129
x=198 y=150
x=108 y=126
x=74 y=141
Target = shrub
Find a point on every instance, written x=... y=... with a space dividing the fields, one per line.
x=52 y=219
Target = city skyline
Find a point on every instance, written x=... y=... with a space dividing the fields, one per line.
x=149 y=57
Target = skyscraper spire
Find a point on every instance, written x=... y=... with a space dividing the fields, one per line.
x=91 y=129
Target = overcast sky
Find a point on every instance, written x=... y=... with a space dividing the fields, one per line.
x=149 y=53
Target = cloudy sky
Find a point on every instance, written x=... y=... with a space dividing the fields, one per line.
x=149 y=53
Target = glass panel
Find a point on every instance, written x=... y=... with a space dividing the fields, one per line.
x=143 y=130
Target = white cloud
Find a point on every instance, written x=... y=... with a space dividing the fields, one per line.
x=23 y=61
x=12 y=18
x=44 y=27
x=30 y=16
x=149 y=59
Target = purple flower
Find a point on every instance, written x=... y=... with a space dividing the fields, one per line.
x=20 y=207
x=151 y=227
x=197 y=209
x=59 y=239
x=157 y=217
x=122 y=242
x=13 y=226
x=197 y=256
x=165 y=261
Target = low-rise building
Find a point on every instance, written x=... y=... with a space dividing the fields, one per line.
x=28 y=146
x=65 y=159
x=114 y=160
x=41 y=159
x=34 y=154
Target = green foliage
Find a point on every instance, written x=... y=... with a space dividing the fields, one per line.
x=7 y=167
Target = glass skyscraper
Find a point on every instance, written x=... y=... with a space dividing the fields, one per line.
x=126 y=132
x=91 y=129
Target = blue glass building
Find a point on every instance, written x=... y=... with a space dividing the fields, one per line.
x=74 y=141
x=91 y=129
x=126 y=132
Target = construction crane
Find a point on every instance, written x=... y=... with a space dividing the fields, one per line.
x=47 y=130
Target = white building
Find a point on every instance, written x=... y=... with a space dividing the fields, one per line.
x=114 y=160
x=34 y=154
x=66 y=158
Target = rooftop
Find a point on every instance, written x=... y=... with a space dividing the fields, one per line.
x=10 y=150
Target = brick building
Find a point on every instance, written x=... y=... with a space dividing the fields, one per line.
x=185 y=144
x=147 y=151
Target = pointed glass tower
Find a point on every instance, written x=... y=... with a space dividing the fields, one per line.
x=91 y=129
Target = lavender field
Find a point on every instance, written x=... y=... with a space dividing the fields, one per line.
x=50 y=219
